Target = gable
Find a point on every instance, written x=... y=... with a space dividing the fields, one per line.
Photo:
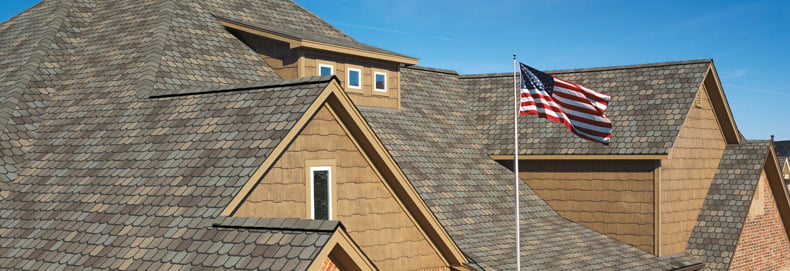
x=361 y=199
x=763 y=243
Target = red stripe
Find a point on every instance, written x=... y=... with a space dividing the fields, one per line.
x=576 y=87
x=570 y=116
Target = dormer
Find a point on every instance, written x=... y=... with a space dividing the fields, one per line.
x=369 y=75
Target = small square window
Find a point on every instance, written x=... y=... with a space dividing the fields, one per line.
x=324 y=70
x=380 y=81
x=354 y=78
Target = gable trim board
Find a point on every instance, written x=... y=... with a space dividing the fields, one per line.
x=363 y=137
x=778 y=188
x=297 y=42
x=721 y=107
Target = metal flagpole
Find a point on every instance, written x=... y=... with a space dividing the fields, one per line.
x=515 y=162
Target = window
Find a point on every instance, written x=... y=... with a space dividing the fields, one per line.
x=380 y=81
x=320 y=193
x=324 y=69
x=354 y=78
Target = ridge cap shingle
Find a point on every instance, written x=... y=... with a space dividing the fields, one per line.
x=155 y=51
x=430 y=69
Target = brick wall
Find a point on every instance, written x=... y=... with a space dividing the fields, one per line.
x=763 y=244
x=328 y=265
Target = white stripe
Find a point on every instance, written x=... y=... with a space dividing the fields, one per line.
x=600 y=106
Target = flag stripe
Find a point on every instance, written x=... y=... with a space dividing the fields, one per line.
x=580 y=109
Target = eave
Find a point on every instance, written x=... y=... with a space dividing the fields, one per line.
x=302 y=43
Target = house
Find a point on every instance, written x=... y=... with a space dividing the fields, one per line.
x=783 y=154
x=254 y=135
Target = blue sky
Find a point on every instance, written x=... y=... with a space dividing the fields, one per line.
x=748 y=40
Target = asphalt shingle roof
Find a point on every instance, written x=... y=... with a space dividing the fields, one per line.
x=723 y=214
x=439 y=150
x=139 y=183
x=648 y=106
x=782 y=151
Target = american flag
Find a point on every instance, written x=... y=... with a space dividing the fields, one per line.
x=579 y=108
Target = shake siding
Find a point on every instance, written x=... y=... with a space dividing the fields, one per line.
x=363 y=203
x=611 y=197
x=365 y=96
x=687 y=174
x=763 y=244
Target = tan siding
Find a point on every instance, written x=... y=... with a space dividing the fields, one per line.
x=687 y=174
x=367 y=208
x=277 y=54
x=611 y=197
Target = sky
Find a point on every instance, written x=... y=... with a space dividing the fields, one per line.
x=748 y=40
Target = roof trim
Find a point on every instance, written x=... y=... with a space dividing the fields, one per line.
x=248 y=86
x=778 y=187
x=355 y=125
x=721 y=108
x=341 y=243
x=582 y=157
x=297 y=42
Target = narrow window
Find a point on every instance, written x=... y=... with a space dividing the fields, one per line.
x=354 y=78
x=320 y=193
x=380 y=81
x=324 y=70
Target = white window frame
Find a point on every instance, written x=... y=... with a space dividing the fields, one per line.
x=331 y=69
x=348 y=78
x=328 y=170
x=385 y=81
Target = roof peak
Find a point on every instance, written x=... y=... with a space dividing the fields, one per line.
x=594 y=69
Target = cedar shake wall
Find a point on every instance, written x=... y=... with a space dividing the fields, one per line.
x=369 y=211
x=277 y=54
x=611 y=197
x=365 y=96
x=763 y=244
x=687 y=174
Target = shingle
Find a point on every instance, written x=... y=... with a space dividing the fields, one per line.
x=725 y=208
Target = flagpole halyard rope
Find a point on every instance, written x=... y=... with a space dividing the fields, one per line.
x=517 y=95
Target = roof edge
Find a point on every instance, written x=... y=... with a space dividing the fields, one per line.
x=246 y=86
x=594 y=69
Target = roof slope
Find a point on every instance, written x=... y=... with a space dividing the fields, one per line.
x=439 y=151
x=782 y=151
x=61 y=48
x=648 y=106
x=724 y=211
x=138 y=182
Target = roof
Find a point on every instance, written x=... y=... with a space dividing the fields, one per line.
x=718 y=228
x=782 y=151
x=649 y=104
x=439 y=151
x=140 y=183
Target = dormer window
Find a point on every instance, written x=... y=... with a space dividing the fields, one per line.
x=380 y=81
x=354 y=78
x=324 y=70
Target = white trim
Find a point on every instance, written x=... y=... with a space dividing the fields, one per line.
x=328 y=190
x=331 y=69
x=348 y=78
x=385 y=81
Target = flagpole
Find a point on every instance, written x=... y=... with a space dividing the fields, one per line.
x=515 y=163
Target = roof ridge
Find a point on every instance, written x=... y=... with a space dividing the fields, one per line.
x=245 y=86
x=155 y=51
x=429 y=69
x=294 y=224
x=594 y=69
